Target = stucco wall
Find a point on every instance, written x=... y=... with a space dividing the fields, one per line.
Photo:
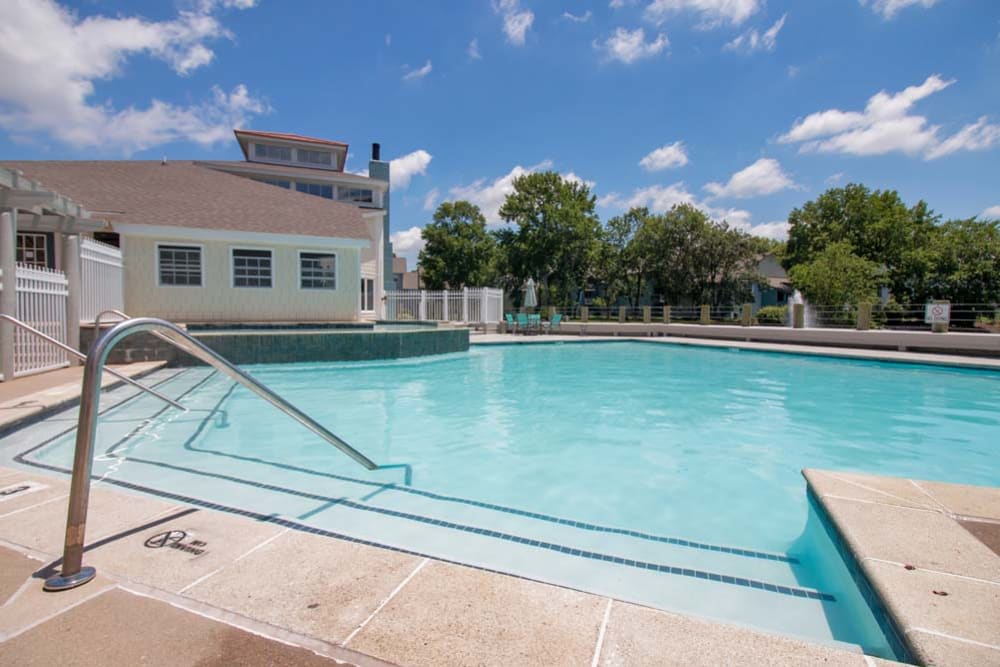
x=218 y=301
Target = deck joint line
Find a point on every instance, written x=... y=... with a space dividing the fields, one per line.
x=36 y=505
x=932 y=571
x=600 y=634
x=945 y=635
x=386 y=601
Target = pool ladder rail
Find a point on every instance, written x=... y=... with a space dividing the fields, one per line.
x=73 y=572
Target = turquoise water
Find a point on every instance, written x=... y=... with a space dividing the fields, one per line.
x=521 y=458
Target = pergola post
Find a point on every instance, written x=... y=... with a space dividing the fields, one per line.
x=8 y=297
x=74 y=288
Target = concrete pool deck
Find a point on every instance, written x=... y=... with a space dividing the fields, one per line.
x=227 y=577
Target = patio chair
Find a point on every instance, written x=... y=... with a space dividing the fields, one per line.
x=553 y=323
x=522 y=322
x=511 y=324
x=535 y=322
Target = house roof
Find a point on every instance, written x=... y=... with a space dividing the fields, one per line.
x=309 y=173
x=289 y=137
x=185 y=195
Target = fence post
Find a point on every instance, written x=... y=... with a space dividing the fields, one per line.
x=444 y=307
x=8 y=297
x=864 y=316
x=647 y=314
x=484 y=315
x=74 y=291
x=746 y=317
x=423 y=304
x=465 y=304
x=798 y=316
x=621 y=313
x=584 y=313
x=706 y=315
x=666 y=314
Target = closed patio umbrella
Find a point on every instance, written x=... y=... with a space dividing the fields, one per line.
x=530 y=297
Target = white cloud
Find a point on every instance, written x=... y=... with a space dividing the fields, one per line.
x=516 y=21
x=582 y=18
x=408 y=243
x=431 y=198
x=777 y=230
x=833 y=179
x=711 y=13
x=889 y=8
x=618 y=4
x=628 y=46
x=473 y=50
x=665 y=157
x=991 y=212
x=573 y=178
x=751 y=40
x=403 y=169
x=54 y=59
x=793 y=71
x=886 y=125
x=388 y=39
x=489 y=195
x=419 y=73
x=763 y=177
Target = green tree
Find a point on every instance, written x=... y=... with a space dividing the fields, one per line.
x=836 y=276
x=557 y=237
x=965 y=262
x=458 y=251
x=627 y=255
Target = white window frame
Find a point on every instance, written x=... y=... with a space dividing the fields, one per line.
x=363 y=300
x=299 y=159
x=317 y=251
x=180 y=244
x=232 y=267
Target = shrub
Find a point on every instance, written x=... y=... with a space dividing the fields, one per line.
x=772 y=315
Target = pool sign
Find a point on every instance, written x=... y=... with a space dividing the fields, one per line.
x=937 y=313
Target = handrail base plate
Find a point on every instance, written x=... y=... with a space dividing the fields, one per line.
x=64 y=583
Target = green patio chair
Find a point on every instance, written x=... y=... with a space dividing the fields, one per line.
x=553 y=322
x=535 y=322
x=511 y=324
x=522 y=322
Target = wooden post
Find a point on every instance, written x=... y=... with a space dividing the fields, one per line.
x=666 y=314
x=706 y=315
x=864 y=316
x=798 y=315
x=746 y=317
x=584 y=313
x=621 y=313
x=647 y=314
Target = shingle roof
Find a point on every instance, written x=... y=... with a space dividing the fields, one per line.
x=183 y=194
x=290 y=137
x=309 y=173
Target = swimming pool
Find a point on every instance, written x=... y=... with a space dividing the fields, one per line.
x=660 y=474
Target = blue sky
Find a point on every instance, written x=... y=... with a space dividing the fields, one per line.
x=744 y=107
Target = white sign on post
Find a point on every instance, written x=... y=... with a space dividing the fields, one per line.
x=937 y=313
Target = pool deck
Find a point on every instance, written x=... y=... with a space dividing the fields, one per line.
x=931 y=552
x=182 y=585
x=258 y=592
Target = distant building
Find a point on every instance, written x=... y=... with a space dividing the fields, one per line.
x=777 y=288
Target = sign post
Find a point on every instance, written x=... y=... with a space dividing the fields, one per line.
x=938 y=314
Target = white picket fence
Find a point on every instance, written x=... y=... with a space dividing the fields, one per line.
x=41 y=303
x=471 y=305
x=101 y=269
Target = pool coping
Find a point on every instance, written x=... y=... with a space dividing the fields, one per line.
x=905 y=544
x=858 y=353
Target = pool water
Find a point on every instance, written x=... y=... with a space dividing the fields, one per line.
x=660 y=474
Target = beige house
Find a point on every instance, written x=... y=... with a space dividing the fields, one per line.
x=200 y=245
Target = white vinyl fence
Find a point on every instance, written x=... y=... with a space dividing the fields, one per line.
x=472 y=304
x=41 y=303
x=101 y=269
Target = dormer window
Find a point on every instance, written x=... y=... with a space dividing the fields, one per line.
x=269 y=152
x=315 y=157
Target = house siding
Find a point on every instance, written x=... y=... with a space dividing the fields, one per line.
x=218 y=301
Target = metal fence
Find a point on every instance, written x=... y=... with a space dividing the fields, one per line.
x=101 y=269
x=41 y=303
x=472 y=304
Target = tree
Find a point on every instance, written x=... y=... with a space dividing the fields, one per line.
x=458 y=251
x=557 y=236
x=965 y=262
x=627 y=255
x=836 y=277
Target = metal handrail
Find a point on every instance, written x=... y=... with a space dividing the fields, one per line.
x=109 y=311
x=79 y=355
x=73 y=572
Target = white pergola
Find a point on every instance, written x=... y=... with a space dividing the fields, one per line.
x=25 y=205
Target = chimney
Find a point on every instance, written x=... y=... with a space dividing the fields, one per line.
x=376 y=152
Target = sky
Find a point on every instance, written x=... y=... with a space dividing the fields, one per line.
x=745 y=108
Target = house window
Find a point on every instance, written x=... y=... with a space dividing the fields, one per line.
x=33 y=249
x=317 y=270
x=367 y=294
x=269 y=152
x=362 y=195
x=179 y=265
x=315 y=157
x=252 y=268
x=318 y=189
x=279 y=182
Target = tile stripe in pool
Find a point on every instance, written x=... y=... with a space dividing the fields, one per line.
x=675 y=541
x=486 y=532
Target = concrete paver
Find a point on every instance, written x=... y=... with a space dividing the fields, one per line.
x=15 y=569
